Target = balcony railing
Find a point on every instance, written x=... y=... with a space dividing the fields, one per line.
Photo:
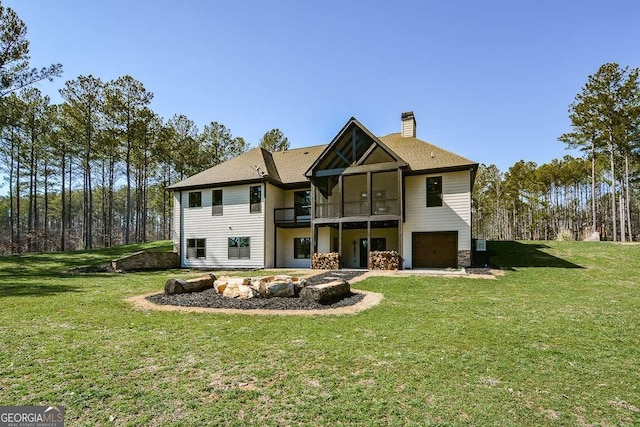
x=293 y=216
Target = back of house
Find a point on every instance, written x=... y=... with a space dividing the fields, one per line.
x=350 y=200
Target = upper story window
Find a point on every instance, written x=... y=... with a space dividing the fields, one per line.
x=255 y=198
x=434 y=191
x=302 y=204
x=216 y=202
x=384 y=186
x=356 y=195
x=195 y=199
x=328 y=196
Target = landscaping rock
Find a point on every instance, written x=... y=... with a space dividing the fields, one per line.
x=325 y=292
x=210 y=298
x=181 y=286
x=279 y=288
x=298 y=285
x=235 y=290
x=594 y=237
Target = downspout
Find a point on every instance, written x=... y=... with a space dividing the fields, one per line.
x=312 y=240
x=400 y=178
x=181 y=233
x=264 y=226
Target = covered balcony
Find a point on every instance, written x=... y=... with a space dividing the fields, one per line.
x=299 y=216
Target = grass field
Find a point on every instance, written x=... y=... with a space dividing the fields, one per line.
x=556 y=341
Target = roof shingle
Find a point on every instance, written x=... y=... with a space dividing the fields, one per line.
x=288 y=167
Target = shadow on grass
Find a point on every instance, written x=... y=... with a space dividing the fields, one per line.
x=11 y=290
x=509 y=254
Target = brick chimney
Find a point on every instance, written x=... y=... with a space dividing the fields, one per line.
x=408 y=125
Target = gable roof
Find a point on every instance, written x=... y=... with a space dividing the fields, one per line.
x=254 y=165
x=351 y=157
x=288 y=168
x=280 y=168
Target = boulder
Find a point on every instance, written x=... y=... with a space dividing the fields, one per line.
x=258 y=284
x=298 y=284
x=235 y=290
x=325 y=292
x=279 y=288
x=220 y=285
x=174 y=286
x=180 y=286
x=594 y=237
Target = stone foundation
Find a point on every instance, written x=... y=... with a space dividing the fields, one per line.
x=464 y=258
x=147 y=261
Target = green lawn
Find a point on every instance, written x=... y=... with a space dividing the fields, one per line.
x=556 y=341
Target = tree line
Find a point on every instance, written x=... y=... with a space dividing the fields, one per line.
x=93 y=170
x=571 y=198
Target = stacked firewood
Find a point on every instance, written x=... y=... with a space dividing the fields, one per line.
x=326 y=261
x=384 y=260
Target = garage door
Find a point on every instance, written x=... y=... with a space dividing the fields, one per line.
x=435 y=250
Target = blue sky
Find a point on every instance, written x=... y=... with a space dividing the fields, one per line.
x=488 y=80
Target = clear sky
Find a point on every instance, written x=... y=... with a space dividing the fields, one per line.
x=489 y=80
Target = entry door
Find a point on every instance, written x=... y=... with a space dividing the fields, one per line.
x=377 y=244
x=364 y=253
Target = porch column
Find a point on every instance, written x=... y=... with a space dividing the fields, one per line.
x=400 y=218
x=368 y=242
x=340 y=243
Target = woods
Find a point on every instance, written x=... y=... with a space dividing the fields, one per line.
x=571 y=198
x=92 y=171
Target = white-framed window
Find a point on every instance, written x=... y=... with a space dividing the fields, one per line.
x=239 y=247
x=196 y=248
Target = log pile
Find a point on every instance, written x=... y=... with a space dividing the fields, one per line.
x=384 y=260
x=325 y=292
x=181 y=286
x=326 y=261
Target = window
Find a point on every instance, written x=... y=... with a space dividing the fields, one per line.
x=195 y=199
x=239 y=247
x=302 y=247
x=216 y=202
x=302 y=204
x=434 y=191
x=255 y=198
x=196 y=248
x=384 y=186
x=356 y=200
x=328 y=196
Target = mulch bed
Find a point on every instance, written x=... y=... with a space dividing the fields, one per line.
x=210 y=299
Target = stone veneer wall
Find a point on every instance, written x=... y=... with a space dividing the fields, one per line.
x=147 y=261
x=464 y=258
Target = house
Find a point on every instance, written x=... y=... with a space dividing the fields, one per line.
x=358 y=193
